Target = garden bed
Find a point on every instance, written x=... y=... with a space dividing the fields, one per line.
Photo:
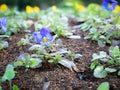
x=60 y=78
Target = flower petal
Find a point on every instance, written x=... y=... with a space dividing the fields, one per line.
x=37 y=36
x=3 y=24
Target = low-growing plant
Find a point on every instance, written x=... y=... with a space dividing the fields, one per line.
x=104 y=63
x=102 y=30
x=57 y=23
x=27 y=61
x=49 y=50
x=8 y=76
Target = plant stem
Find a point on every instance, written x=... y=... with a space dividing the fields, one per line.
x=10 y=83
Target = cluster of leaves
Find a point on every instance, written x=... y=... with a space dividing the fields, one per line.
x=57 y=23
x=102 y=30
x=14 y=25
x=104 y=63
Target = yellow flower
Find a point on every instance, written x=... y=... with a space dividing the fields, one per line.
x=80 y=7
x=36 y=9
x=54 y=8
x=97 y=6
x=117 y=9
x=29 y=9
x=3 y=7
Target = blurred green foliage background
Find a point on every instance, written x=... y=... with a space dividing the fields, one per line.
x=47 y=3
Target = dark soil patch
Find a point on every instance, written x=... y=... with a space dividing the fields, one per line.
x=60 y=78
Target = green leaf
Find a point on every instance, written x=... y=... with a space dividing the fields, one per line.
x=9 y=73
x=93 y=64
x=22 y=42
x=35 y=62
x=0 y=88
x=119 y=73
x=110 y=70
x=116 y=51
x=5 y=44
x=18 y=63
x=77 y=56
x=116 y=20
x=15 y=87
x=101 y=43
x=111 y=61
x=3 y=36
x=38 y=48
x=99 y=72
x=51 y=60
x=104 y=86
x=95 y=57
x=25 y=57
x=68 y=63
x=107 y=26
x=8 y=33
x=103 y=54
x=1 y=46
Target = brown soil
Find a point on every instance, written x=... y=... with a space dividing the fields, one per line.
x=60 y=77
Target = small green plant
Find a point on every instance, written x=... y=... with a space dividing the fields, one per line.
x=54 y=54
x=27 y=61
x=8 y=75
x=104 y=63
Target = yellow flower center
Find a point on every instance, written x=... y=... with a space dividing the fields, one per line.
x=3 y=7
x=45 y=39
x=110 y=5
x=117 y=9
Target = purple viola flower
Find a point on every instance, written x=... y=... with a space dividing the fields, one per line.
x=3 y=24
x=109 y=4
x=43 y=36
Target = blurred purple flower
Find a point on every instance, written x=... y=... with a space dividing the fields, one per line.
x=3 y=24
x=109 y=4
x=43 y=36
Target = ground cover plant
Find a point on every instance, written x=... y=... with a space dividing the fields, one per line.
x=70 y=47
